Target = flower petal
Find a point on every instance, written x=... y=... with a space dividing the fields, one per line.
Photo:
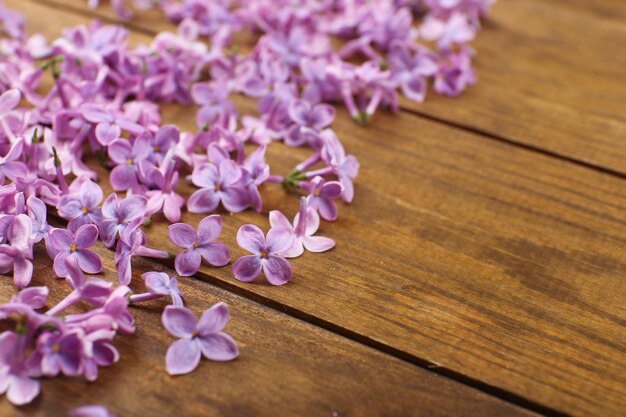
x=22 y=390
x=218 y=347
x=183 y=356
x=182 y=234
x=179 y=321
x=203 y=200
x=277 y=219
x=187 y=263
x=318 y=243
x=209 y=228
x=247 y=268
x=279 y=239
x=86 y=236
x=88 y=261
x=215 y=253
x=277 y=270
x=91 y=194
x=251 y=238
x=22 y=272
x=214 y=319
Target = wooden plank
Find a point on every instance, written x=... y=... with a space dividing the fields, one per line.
x=543 y=82
x=286 y=365
x=494 y=263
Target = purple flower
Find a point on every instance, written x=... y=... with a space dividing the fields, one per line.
x=128 y=157
x=15 y=373
x=345 y=167
x=109 y=125
x=322 y=196
x=38 y=214
x=305 y=224
x=159 y=284
x=19 y=253
x=10 y=165
x=198 y=245
x=82 y=208
x=133 y=243
x=218 y=183
x=61 y=352
x=75 y=244
x=119 y=213
x=266 y=254
x=204 y=337
x=308 y=120
x=164 y=198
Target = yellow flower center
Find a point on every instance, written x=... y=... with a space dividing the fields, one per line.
x=218 y=187
x=129 y=162
x=317 y=192
x=264 y=254
x=85 y=210
x=56 y=348
x=72 y=247
x=195 y=244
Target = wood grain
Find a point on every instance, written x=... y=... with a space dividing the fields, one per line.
x=551 y=76
x=491 y=262
x=285 y=365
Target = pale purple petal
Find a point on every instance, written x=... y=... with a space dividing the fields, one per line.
x=22 y=390
x=179 y=321
x=251 y=238
x=278 y=219
x=91 y=194
x=209 y=228
x=107 y=133
x=235 y=199
x=247 y=268
x=22 y=272
x=182 y=234
x=86 y=236
x=214 y=319
x=203 y=201
x=183 y=356
x=187 y=263
x=205 y=175
x=277 y=270
x=318 y=243
x=218 y=347
x=215 y=253
x=9 y=100
x=88 y=261
x=279 y=239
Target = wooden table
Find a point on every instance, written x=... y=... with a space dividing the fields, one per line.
x=481 y=269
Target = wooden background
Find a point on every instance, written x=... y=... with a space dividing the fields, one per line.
x=481 y=269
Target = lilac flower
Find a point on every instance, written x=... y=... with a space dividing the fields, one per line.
x=164 y=198
x=345 y=167
x=61 y=353
x=38 y=214
x=217 y=184
x=16 y=373
x=305 y=224
x=198 y=245
x=159 y=284
x=10 y=164
x=322 y=196
x=19 y=253
x=128 y=157
x=8 y=101
x=308 y=120
x=109 y=125
x=204 y=337
x=133 y=243
x=82 y=208
x=119 y=213
x=266 y=254
x=65 y=244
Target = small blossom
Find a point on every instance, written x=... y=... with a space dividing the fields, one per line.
x=198 y=245
x=76 y=244
x=204 y=337
x=266 y=254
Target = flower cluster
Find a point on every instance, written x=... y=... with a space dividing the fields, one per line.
x=386 y=46
x=90 y=93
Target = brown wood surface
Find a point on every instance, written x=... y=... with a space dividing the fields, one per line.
x=501 y=267
x=551 y=76
x=285 y=364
